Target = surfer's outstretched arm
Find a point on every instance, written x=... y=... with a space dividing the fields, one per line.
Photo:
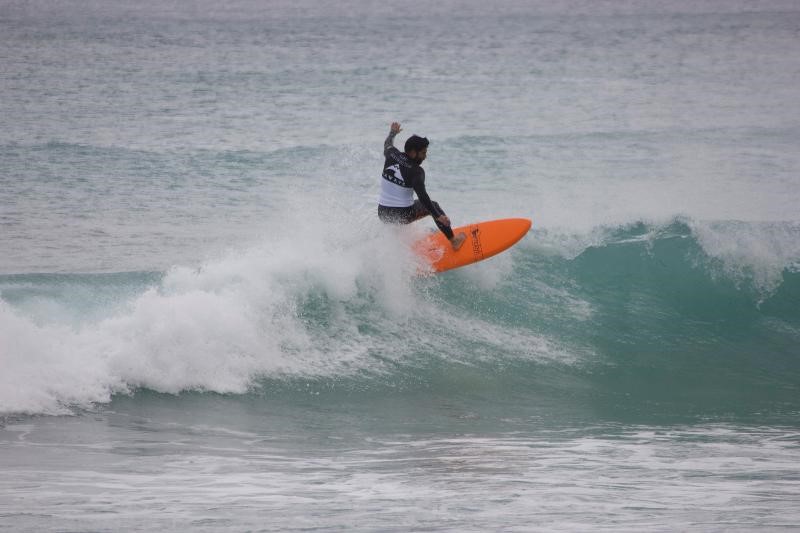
x=432 y=207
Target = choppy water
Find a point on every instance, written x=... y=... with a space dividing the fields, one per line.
x=203 y=326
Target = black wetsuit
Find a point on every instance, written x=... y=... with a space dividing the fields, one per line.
x=400 y=171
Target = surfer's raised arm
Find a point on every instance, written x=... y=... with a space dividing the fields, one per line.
x=390 y=152
x=389 y=143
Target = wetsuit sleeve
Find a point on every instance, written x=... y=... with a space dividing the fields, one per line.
x=389 y=143
x=419 y=187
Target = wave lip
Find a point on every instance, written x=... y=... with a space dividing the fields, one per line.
x=757 y=258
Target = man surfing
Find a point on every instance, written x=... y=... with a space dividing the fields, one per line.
x=402 y=177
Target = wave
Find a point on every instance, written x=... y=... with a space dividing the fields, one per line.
x=651 y=309
x=756 y=258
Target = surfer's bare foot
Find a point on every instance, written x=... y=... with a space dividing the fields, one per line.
x=458 y=240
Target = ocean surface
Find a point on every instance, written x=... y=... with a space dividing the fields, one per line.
x=204 y=327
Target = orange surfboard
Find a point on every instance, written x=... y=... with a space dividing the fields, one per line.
x=484 y=239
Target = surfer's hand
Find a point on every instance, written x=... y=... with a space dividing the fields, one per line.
x=395 y=127
x=444 y=220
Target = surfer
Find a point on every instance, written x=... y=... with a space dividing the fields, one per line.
x=402 y=177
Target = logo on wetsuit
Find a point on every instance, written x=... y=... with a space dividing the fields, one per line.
x=394 y=175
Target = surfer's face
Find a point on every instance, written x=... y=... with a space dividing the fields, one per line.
x=418 y=155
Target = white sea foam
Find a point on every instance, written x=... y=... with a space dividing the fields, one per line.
x=295 y=305
x=596 y=478
x=216 y=328
x=758 y=253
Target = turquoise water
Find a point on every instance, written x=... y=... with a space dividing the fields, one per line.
x=203 y=326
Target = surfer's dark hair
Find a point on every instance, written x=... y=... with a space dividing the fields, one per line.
x=416 y=143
